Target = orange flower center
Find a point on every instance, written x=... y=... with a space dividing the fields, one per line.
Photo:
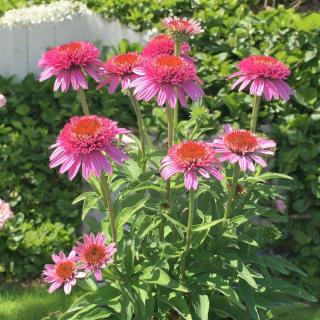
x=162 y=37
x=169 y=61
x=65 y=269
x=86 y=127
x=95 y=254
x=266 y=60
x=191 y=151
x=241 y=141
x=180 y=23
x=72 y=47
x=126 y=59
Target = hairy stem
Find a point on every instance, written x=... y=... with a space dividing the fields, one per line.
x=232 y=192
x=255 y=111
x=83 y=102
x=189 y=232
x=177 y=52
x=106 y=196
x=141 y=127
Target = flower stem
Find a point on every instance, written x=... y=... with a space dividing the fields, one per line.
x=255 y=111
x=189 y=232
x=170 y=141
x=83 y=102
x=106 y=195
x=143 y=135
x=170 y=126
x=232 y=192
x=177 y=51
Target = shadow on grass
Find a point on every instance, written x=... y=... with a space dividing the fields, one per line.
x=31 y=303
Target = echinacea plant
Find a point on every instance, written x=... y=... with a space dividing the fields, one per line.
x=187 y=223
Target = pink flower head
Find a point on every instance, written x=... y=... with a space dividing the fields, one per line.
x=191 y=158
x=5 y=213
x=281 y=205
x=94 y=254
x=165 y=75
x=87 y=141
x=266 y=75
x=64 y=272
x=163 y=44
x=182 y=26
x=118 y=69
x=244 y=147
x=3 y=100
x=70 y=63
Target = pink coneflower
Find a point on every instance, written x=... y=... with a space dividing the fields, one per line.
x=266 y=75
x=3 y=100
x=165 y=75
x=191 y=158
x=64 y=272
x=244 y=147
x=70 y=63
x=163 y=44
x=182 y=25
x=118 y=69
x=5 y=213
x=87 y=141
x=94 y=254
x=281 y=205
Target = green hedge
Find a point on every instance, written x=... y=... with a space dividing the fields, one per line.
x=45 y=220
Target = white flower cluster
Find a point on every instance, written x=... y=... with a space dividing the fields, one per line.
x=53 y=12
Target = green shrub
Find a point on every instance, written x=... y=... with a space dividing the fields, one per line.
x=45 y=220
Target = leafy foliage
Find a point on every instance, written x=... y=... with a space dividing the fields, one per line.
x=233 y=31
x=45 y=219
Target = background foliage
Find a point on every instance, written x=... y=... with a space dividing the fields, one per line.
x=233 y=31
x=45 y=219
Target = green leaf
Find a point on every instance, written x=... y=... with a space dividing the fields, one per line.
x=201 y=305
x=246 y=293
x=266 y=176
x=160 y=277
x=286 y=308
x=225 y=309
x=205 y=226
x=242 y=270
x=22 y=109
x=126 y=213
x=216 y=282
x=286 y=287
x=177 y=301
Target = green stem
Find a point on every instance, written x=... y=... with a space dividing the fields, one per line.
x=177 y=51
x=141 y=126
x=255 y=111
x=106 y=196
x=170 y=126
x=196 y=126
x=136 y=108
x=232 y=192
x=161 y=231
x=83 y=102
x=170 y=141
x=189 y=231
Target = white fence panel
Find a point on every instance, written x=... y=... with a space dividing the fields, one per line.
x=21 y=47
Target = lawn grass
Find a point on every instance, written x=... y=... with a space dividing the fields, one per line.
x=305 y=314
x=31 y=303
x=35 y=303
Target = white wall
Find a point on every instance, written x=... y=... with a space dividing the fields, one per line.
x=21 y=47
